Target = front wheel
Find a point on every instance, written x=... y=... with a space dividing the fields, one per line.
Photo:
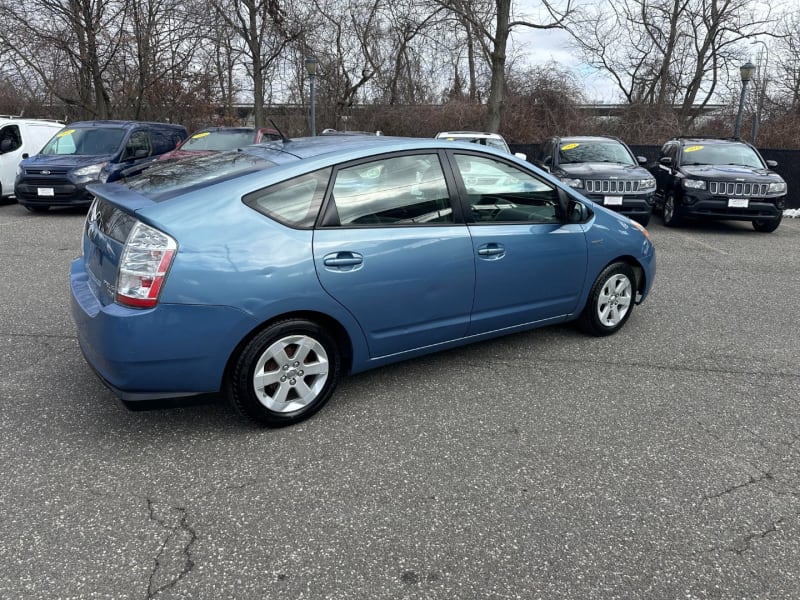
x=767 y=226
x=671 y=217
x=285 y=374
x=610 y=301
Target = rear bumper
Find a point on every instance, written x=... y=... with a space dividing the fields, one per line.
x=171 y=351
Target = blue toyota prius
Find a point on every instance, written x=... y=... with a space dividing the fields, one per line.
x=268 y=273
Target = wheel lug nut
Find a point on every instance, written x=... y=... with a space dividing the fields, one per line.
x=296 y=364
x=285 y=367
x=283 y=378
x=292 y=381
x=299 y=372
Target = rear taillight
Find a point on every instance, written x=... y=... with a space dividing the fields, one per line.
x=143 y=267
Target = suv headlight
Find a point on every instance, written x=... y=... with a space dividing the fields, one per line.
x=694 y=184
x=575 y=183
x=90 y=171
x=647 y=185
x=777 y=188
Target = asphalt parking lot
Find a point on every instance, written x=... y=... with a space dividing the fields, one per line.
x=662 y=462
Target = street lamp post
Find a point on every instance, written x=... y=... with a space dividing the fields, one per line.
x=311 y=67
x=746 y=71
x=762 y=78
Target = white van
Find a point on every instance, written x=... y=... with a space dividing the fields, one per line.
x=20 y=138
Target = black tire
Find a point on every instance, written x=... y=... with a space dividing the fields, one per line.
x=767 y=226
x=670 y=211
x=36 y=208
x=292 y=387
x=610 y=301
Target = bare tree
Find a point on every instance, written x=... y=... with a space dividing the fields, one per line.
x=668 y=52
x=493 y=25
x=265 y=33
x=68 y=45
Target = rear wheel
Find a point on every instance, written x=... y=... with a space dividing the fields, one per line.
x=285 y=374
x=610 y=301
x=767 y=226
x=671 y=217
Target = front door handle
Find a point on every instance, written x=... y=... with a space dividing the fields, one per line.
x=343 y=261
x=492 y=251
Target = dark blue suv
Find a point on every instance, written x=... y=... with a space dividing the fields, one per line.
x=87 y=152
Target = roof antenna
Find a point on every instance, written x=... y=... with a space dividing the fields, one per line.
x=283 y=137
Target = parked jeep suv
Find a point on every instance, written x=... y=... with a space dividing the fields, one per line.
x=718 y=179
x=604 y=170
x=90 y=151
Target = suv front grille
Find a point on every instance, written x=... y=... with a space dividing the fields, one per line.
x=723 y=188
x=611 y=186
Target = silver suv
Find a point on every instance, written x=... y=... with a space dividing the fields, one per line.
x=493 y=140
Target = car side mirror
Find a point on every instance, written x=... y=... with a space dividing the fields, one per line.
x=772 y=164
x=563 y=207
x=642 y=160
x=25 y=155
x=521 y=155
x=5 y=145
x=665 y=160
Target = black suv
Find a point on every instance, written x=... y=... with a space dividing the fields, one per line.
x=718 y=179
x=604 y=170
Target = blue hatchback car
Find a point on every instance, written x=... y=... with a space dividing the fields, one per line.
x=268 y=273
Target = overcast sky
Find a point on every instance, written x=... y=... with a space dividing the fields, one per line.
x=543 y=46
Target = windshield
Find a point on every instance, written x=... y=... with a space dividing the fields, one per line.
x=85 y=141
x=168 y=178
x=722 y=154
x=587 y=152
x=220 y=140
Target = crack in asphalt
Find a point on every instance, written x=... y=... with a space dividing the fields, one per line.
x=743 y=544
x=767 y=476
x=176 y=548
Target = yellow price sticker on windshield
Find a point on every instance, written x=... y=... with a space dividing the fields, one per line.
x=200 y=135
x=63 y=133
x=569 y=146
x=693 y=148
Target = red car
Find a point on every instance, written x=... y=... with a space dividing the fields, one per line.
x=218 y=139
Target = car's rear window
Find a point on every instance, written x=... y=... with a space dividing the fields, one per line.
x=171 y=177
x=220 y=140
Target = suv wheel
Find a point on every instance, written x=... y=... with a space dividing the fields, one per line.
x=767 y=226
x=671 y=217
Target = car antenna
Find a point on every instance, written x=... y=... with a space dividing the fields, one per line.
x=283 y=137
